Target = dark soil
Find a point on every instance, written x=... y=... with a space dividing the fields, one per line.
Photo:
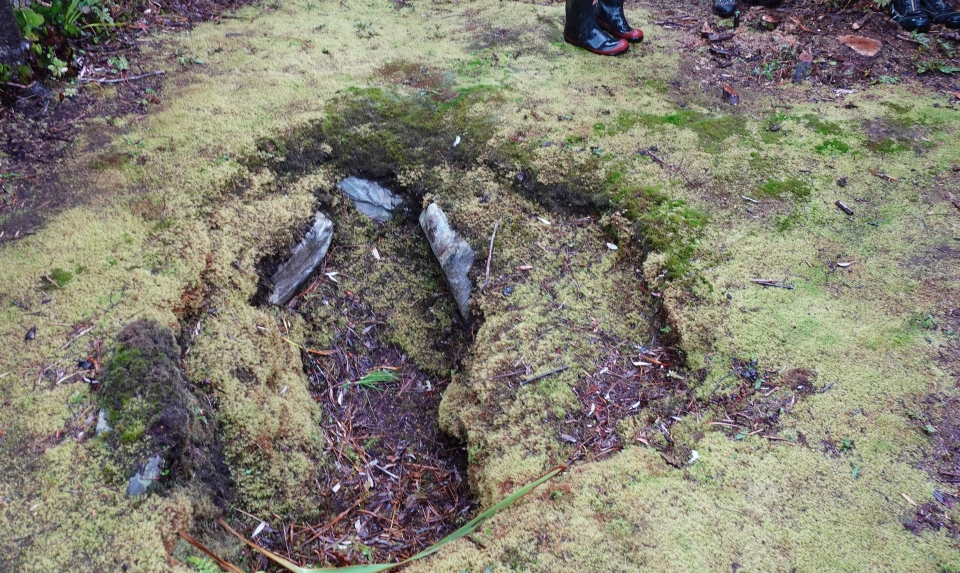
x=396 y=483
x=802 y=47
x=40 y=126
x=649 y=389
x=941 y=422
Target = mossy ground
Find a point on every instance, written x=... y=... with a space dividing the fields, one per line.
x=179 y=236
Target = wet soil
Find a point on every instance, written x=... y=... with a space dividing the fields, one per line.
x=395 y=483
x=941 y=422
x=797 y=42
x=41 y=125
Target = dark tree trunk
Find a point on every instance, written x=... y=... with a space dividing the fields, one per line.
x=11 y=40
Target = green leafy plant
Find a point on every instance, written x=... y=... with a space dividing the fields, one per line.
x=887 y=80
x=920 y=38
x=202 y=565
x=46 y=25
x=365 y=30
x=373 y=380
x=119 y=63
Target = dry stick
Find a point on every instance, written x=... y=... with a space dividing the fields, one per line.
x=121 y=80
x=544 y=375
x=771 y=283
x=16 y=85
x=74 y=339
x=486 y=278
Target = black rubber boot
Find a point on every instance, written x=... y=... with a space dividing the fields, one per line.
x=940 y=13
x=611 y=18
x=907 y=13
x=724 y=8
x=582 y=30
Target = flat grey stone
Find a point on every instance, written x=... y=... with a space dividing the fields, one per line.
x=370 y=199
x=144 y=478
x=102 y=425
x=303 y=261
x=454 y=254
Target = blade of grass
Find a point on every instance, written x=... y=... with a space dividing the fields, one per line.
x=372 y=379
x=376 y=568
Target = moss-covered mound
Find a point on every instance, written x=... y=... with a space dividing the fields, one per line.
x=151 y=410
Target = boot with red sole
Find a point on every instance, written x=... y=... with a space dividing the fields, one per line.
x=583 y=30
x=611 y=18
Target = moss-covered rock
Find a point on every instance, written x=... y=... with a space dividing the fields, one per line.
x=152 y=412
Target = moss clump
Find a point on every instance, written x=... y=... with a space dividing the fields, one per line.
x=714 y=131
x=378 y=134
x=777 y=188
x=821 y=126
x=150 y=408
x=711 y=131
x=888 y=144
x=832 y=147
x=57 y=278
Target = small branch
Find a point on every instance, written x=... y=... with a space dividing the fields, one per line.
x=74 y=339
x=844 y=208
x=665 y=165
x=121 y=80
x=771 y=283
x=544 y=375
x=21 y=86
x=486 y=277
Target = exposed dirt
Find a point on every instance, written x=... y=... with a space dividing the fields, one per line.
x=41 y=124
x=940 y=421
x=397 y=483
x=796 y=41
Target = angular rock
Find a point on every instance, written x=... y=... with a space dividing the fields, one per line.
x=370 y=199
x=102 y=425
x=454 y=254
x=142 y=480
x=303 y=260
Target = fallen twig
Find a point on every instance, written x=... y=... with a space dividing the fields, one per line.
x=844 y=208
x=486 y=278
x=224 y=564
x=665 y=165
x=74 y=339
x=882 y=175
x=121 y=80
x=771 y=283
x=16 y=85
x=544 y=375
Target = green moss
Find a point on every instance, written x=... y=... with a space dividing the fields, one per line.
x=777 y=188
x=888 y=145
x=897 y=107
x=832 y=147
x=59 y=277
x=151 y=410
x=715 y=131
x=379 y=133
x=821 y=126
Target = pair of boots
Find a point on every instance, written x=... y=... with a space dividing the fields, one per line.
x=920 y=14
x=602 y=29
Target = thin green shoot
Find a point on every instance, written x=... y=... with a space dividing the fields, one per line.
x=374 y=380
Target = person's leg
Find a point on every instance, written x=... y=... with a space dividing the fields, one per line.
x=908 y=14
x=581 y=29
x=940 y=13
x=724 y=8
x=612 y=19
